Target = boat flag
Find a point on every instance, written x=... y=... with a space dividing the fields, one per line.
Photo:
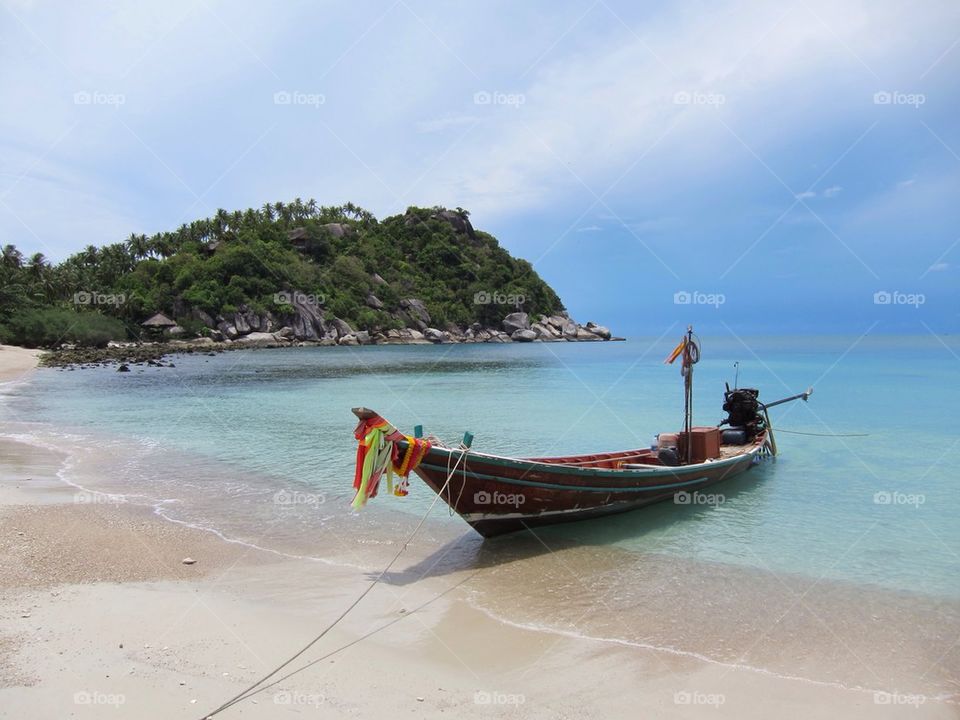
x=676 y=352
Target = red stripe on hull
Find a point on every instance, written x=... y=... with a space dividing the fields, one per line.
x=501 y=495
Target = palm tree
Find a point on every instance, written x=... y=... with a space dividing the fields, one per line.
x=221 y=223
x=89 y=255
x=11 y=257
x=138 y=246
x=38 y=265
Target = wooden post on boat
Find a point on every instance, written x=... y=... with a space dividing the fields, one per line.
x=691 y=356
x=687 y=370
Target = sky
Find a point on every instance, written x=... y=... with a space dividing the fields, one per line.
x=751 y=167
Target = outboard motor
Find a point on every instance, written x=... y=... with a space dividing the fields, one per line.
x=743 y=412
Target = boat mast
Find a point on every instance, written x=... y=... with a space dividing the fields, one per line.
x=687 y=369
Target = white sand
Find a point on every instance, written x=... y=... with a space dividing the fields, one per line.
x=99 y=618
x=16 y=362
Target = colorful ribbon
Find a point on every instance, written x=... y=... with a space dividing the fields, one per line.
x=379 y=454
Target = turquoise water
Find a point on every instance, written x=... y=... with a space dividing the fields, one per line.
x=243 y=423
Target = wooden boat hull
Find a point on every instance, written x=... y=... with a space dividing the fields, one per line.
x=497 y=495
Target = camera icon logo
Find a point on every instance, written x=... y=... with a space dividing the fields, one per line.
x=882 y=497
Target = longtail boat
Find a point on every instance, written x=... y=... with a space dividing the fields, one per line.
x=497 y=494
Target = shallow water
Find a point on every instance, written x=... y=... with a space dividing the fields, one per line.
x=258 y=446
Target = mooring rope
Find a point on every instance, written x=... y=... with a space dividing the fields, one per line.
x=252 y=689
x=353 y=642
x=797 y=432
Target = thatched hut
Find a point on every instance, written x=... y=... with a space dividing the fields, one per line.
x=159 y=324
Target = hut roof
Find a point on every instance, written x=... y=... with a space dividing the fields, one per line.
x=158 y=321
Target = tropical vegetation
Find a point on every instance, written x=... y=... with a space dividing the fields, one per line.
x=340 y=255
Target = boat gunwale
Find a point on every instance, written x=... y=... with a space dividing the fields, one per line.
x=529 y=464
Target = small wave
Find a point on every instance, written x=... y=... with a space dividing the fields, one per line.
x=949 y=698
x=159 y=511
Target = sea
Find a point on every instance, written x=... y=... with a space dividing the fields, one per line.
x=838 y=562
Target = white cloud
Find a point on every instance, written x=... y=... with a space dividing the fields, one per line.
x=599 y=105
x=832 y=191
x=590 y=228
x=939 y=267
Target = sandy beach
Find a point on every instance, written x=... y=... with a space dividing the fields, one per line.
x=16 y=362
x=101 y=616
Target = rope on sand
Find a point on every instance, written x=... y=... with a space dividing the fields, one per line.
x=256 y=687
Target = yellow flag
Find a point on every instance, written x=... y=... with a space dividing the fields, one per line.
x=676 y=352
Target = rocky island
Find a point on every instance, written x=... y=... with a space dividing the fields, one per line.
x=283 y=275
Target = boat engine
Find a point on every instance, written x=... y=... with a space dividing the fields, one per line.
x=743 y=413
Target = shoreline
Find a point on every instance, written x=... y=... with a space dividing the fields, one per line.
x=243 y=587
x=201 y=632
x=155 y=353
x=16 y=363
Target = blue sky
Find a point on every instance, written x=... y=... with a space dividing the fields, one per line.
x=775 y=164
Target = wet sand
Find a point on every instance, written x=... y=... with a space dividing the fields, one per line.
x=100 y=613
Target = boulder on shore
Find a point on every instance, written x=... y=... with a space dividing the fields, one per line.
x=599 y=330
x=258 y=338
x=516 y=321
x=545 y=331
x=523 y=336
x=341 y=328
